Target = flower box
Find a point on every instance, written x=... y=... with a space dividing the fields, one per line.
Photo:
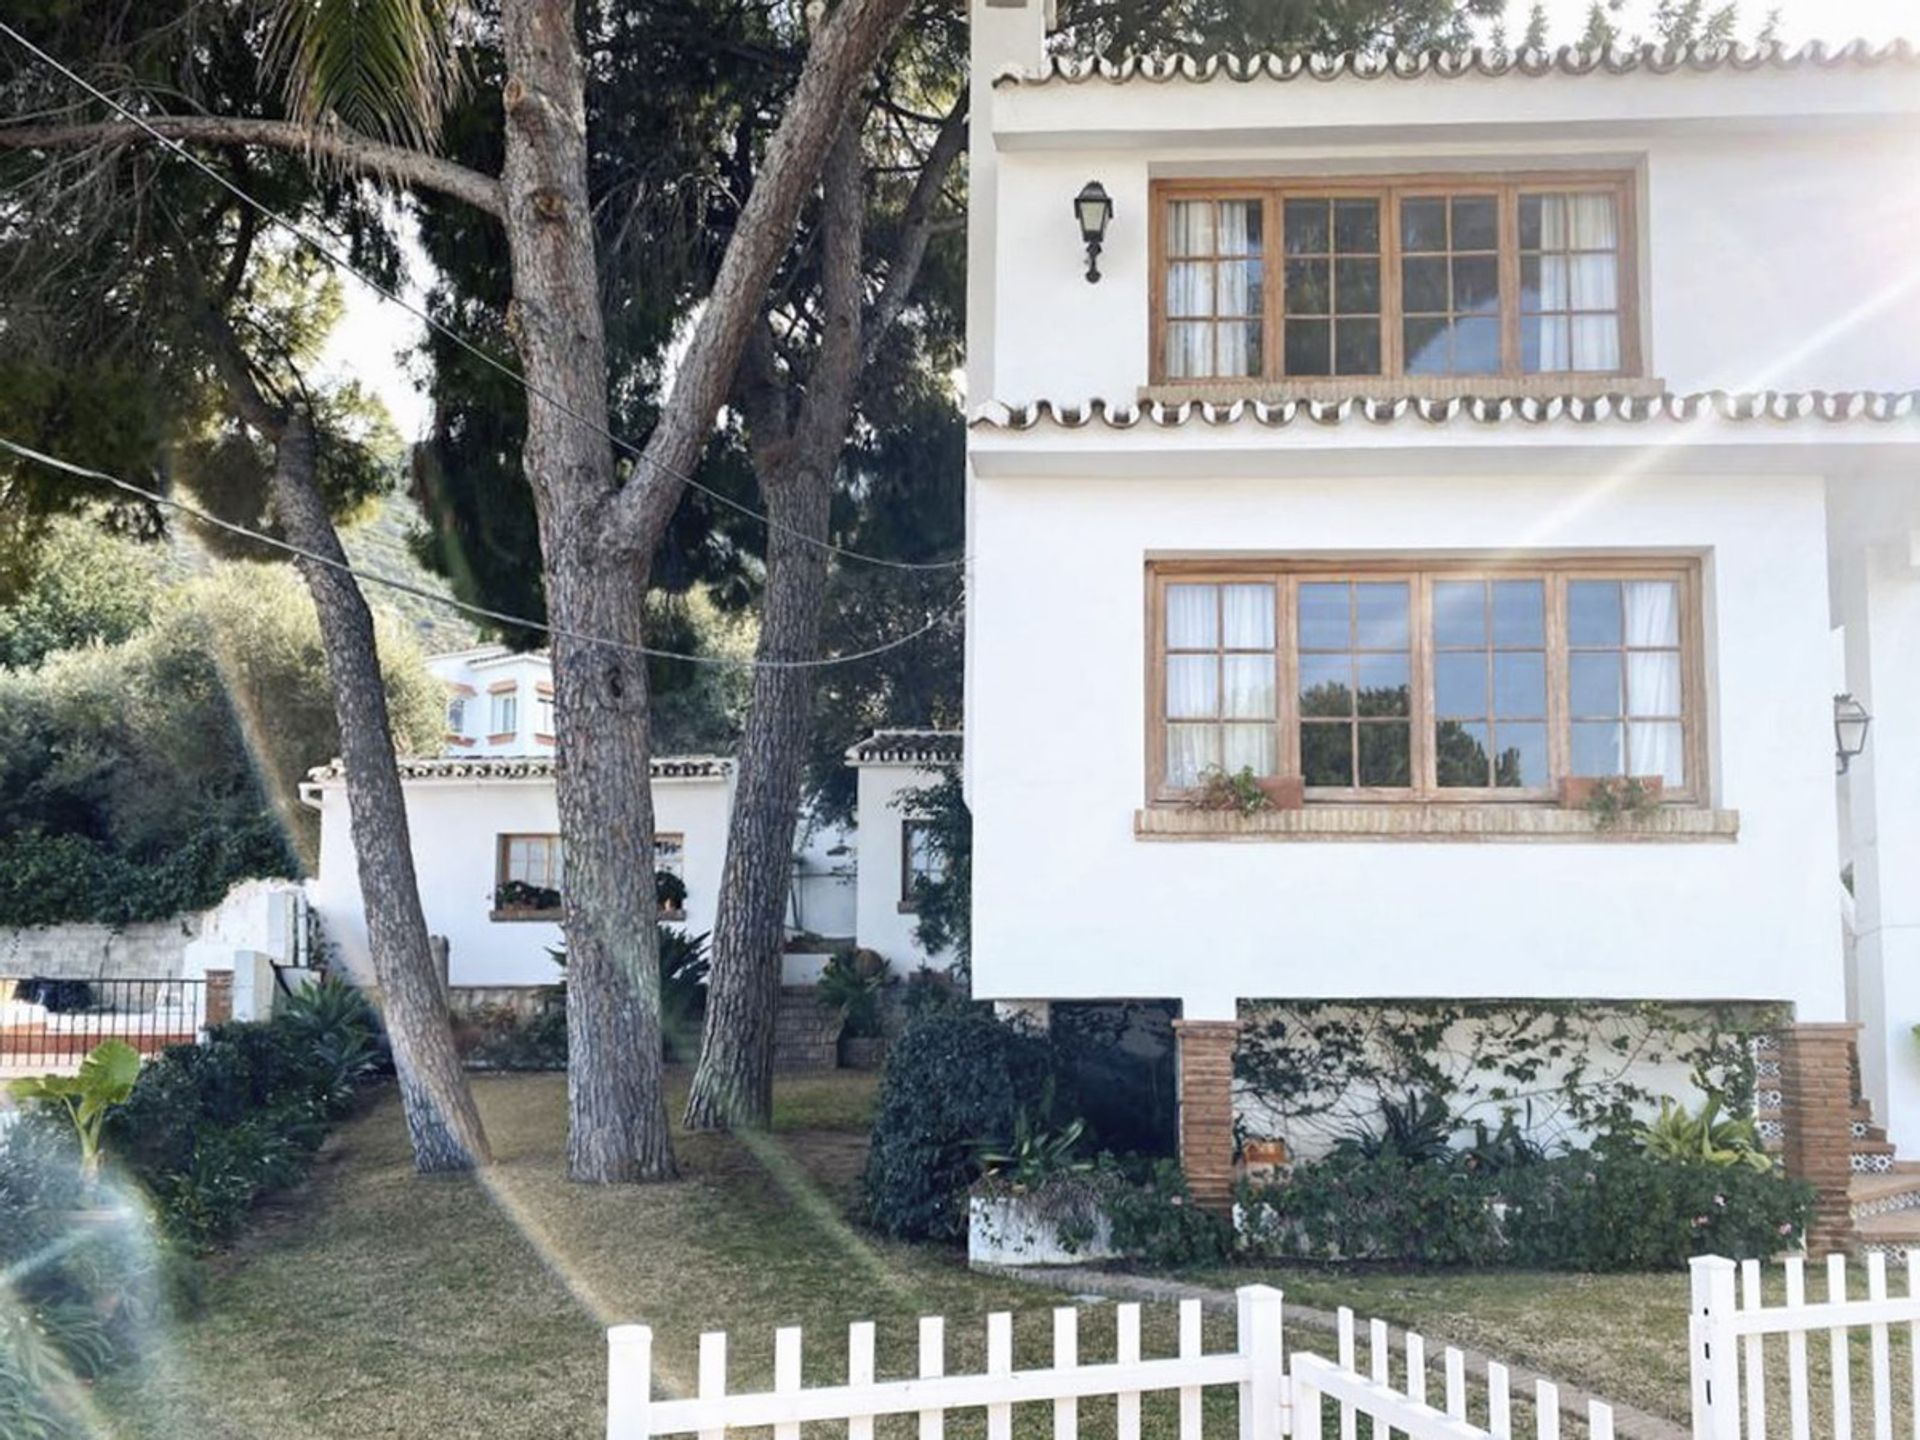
x=1060 y=1224
x=1577 y=791
x=1284 y=792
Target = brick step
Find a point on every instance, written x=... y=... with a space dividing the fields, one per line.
x=1887 y=1193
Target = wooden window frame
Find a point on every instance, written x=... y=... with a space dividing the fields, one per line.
x=1286 y=574
x=678 y=912
x=502 y=848
x=1390 y=190
x=908 y=905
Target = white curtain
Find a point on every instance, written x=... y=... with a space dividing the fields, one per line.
x=1583 y=276
x=1193 y=617
x=1249 y=617
x=1653 y=680
x=1191 y=749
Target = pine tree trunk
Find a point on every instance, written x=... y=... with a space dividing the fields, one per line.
x=616 y=1114
x=733 y=1084
x=442 y=1122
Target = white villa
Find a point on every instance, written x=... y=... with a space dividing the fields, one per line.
x=1439 y=437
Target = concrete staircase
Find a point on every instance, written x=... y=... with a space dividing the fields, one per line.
x=806 y=1035
x=1884 y=1193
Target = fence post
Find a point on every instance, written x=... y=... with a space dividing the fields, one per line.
x=1259 y=1308
x=1713 y=1359
x=629 y=1381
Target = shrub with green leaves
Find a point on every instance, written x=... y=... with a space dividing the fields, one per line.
x=957 y=1079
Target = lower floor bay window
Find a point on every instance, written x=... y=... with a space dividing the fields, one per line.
x=1425 y=682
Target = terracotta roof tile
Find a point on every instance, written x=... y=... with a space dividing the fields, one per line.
x=1771 y=406
x=912 y=747
x=1414 y=64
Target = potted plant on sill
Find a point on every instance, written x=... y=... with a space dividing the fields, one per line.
x=1612 y=799
x=1245 y=793
x=517 y=898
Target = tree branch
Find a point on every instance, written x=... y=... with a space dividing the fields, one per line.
x=343 y=147
x=917 y=225
x=843 y=52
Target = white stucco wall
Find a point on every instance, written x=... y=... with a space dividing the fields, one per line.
x=1069 y=904
x=882 y=924
x=456 y=825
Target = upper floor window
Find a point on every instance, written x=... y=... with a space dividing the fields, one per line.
x=921 y=861
x=1402 y=279
x=457 y=715
x=1425 y=682
x=503 y=713
x=543 y=714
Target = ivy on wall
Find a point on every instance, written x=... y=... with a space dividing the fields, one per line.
x=1556 y=1069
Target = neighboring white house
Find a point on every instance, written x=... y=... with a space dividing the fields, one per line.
x=499 y=701
x=487 y=853
x=1438 y=432
x=892 y=843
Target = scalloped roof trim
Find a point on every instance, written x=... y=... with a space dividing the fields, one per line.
x=525 y=767
x=906 y=747
x=1451 y=64
x=1833 y=406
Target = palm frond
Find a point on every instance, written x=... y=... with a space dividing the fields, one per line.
x=386 y=68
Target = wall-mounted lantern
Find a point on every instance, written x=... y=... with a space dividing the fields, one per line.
x=1093 y=208
x=1850 y=722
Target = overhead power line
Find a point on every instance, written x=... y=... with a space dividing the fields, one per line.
x=334 y=258
x=500 y=617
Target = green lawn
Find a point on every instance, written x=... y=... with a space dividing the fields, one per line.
x=378 y=1303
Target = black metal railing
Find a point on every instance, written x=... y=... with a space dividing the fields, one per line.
x=52 y=1024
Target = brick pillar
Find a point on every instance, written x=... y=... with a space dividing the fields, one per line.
x=1816 y=1112
x=219 y=997
x=1206 y=1108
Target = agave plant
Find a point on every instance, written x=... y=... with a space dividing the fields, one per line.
x=1035 y=1154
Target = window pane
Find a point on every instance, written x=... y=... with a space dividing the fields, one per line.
x=1591 y=222
x=1519 y=612
x=1386 y=755
x=1239 y=287
x=1189 y=350
x=1309 y=347
x=1593 y=612
x=1190 y=227
x=1356 y=347
x=1326 y=754
x=1459 y=612
x=1356 y=226
x=1597 y=749
x=1519 y=684
x=1460 y=684
x=1423 y=285
x=1594 y=343
x=1193 y=686
x=1247 y=686
x=1384 y=685
x=1476 y=347
x=1193 y=617
x=1530 y=231
x=1592 y=282
x=1190 y=289
x=1190 y=750
x=1240 y=227
x=1326 y=683
x=1653 y=683
x=1306 y=227
x=1324 y=616
x=1476 y=222
x=1460 y=753
x=1520 y=757
x=1657 y=750
x=1249 y=617
x=1593 y=684
x=1426 y=347
x=1237 y=348
x=1307 y=287
x=1250 y=747
x=1652 y=612
x=1380 y=613
x=1357 y=286
x=1476 y=284
x=1423 y=224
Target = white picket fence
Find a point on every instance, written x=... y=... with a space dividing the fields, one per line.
x=1736 y=1373
x=1272 y=1401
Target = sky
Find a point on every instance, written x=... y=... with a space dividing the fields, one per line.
x=374 y=336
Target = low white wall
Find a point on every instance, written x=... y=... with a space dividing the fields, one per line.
x=258 y=915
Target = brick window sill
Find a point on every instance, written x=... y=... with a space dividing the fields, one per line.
x=510 y=917
x=1496 y=824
